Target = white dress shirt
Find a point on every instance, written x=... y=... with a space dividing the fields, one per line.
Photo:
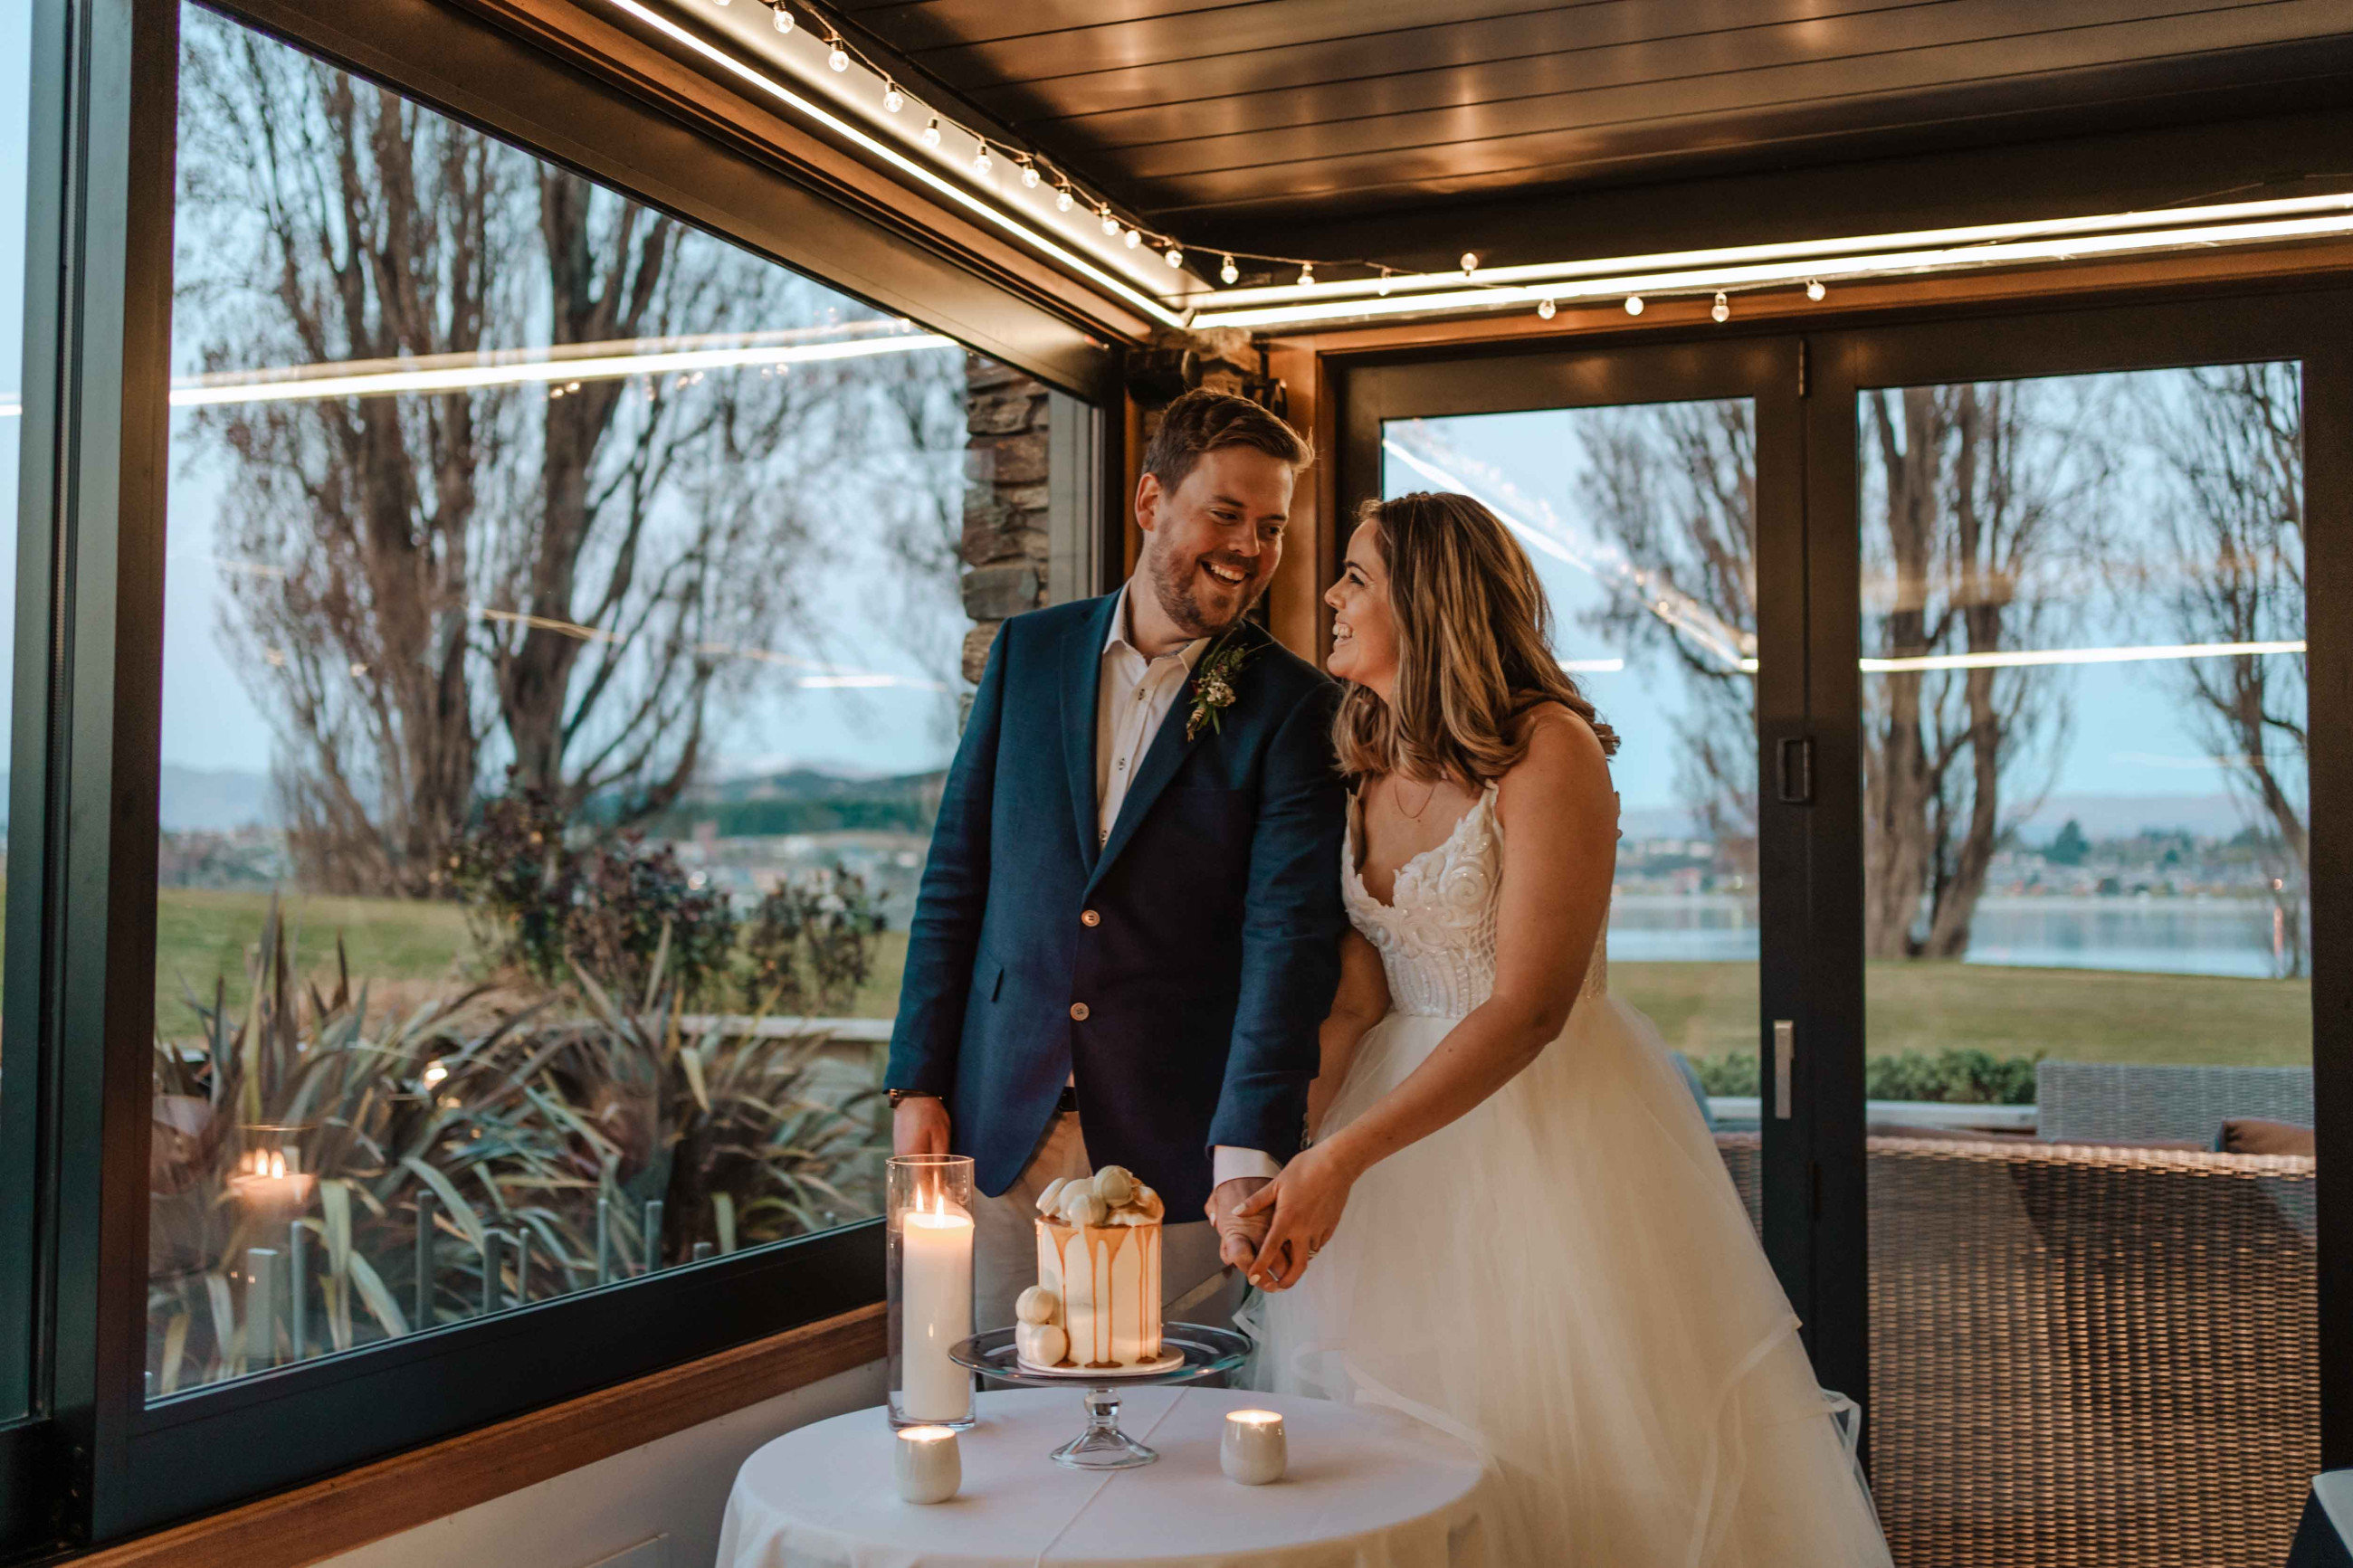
x=1133 y=696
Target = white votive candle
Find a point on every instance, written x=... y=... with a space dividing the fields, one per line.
x=936 y=1292
x=927 y=1464
x=1253 y=1451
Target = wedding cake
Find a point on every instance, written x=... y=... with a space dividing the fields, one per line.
x=1097 y=1300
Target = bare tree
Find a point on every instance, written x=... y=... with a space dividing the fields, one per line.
x=560 y=578
x=1973 y=495
x=1675 y=486
x=2231 y=436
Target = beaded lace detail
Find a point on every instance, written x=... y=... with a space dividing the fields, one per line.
x=1435 y=935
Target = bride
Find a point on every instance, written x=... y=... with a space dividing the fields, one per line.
x=1512 y=1220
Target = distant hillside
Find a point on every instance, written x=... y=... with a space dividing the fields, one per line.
x=803 y=800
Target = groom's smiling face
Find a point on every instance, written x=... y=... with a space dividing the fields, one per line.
x=1211 y=543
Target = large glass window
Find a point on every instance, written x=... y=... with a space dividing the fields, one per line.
x=1641 y=522
x=564 y=642
x=2092 y=1283
x=16 y=113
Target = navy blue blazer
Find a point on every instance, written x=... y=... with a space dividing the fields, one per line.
x=1182 y=970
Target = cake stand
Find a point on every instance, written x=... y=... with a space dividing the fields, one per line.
x=1103 y=1446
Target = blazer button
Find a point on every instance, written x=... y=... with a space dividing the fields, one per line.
x=1079 y=1011
x=1089 y=917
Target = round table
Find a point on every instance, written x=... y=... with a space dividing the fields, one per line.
x=1366 y=1488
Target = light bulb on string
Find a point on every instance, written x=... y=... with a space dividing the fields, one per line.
x=1134 y=238
x=1382 y=286
x=1545 y=308
x=1633 y=304
x=1229 y=273
x=837 y=56
x=1174 y=257
x=931 y=133
x=719 y=2
x=1307 y=275
x=982 y=162
x=1722 y=310
x=1110 y=224
x=1028 y=175
x=1814 y=289
x=782 y=18
x=893 y=98
x=1063 y=200
x=1470 y=263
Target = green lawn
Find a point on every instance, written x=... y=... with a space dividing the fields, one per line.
x=1703 y=1009
x=2081 y=1015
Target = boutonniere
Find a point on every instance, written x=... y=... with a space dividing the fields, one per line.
x=1213 y=683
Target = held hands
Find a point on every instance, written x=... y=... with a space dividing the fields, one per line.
x=920 y=1126
x=1306 y=1201
x=1238 y=1237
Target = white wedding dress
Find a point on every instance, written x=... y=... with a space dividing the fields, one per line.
x=1566 y=1277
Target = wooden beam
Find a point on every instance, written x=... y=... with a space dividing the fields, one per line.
x=345 y=1513
x=1294 y=599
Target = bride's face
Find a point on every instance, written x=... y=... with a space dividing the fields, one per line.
x=1364 y=630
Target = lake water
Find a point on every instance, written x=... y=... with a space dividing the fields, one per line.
x=2170 y=936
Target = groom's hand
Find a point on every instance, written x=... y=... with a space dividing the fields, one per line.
x=1237 y=1237
x=920 y=1126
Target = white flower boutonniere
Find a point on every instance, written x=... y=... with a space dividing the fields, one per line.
x=1213 y=684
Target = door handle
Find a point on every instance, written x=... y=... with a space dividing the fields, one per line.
x=1794 y=773
x=1785 y=1055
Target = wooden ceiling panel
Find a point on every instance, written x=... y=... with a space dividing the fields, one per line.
x=1317 y=108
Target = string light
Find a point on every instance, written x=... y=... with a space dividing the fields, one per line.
x=1229 y=273
x=1063 y=200
x=1134 y=238
x=1175 y=258
x=1722 y=310
x=981 y=162
x=1545 y=308
x=782 y=18
x=719 y=2
x=1470 y=263
x=931 y=133
x=837 y=56
x=1110 y=224
x=893 y=98
x=1384 y=284
x=1633 y=304
x=1307 y=275
x=1028 y=174
x=1814 y=289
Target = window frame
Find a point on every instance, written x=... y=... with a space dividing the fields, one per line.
x=95 y=1461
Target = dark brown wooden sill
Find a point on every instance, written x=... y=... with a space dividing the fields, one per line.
x=347 y=1511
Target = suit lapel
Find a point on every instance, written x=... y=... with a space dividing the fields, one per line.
x=1161 y=761
x=1082 y=647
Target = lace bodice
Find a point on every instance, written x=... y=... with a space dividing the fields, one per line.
x=1436 y=934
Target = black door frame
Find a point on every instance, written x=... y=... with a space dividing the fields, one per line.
x=1808 y=695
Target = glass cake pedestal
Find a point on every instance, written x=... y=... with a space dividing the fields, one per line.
x=1206 y=1351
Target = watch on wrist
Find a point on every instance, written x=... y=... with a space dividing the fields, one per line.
x=899 y=1095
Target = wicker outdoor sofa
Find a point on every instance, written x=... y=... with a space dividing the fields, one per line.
x=2086 y=1355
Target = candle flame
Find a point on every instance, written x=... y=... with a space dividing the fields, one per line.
x=1256 y=1417
x=925 y=1433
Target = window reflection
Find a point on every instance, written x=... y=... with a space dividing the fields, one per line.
x=563 y=644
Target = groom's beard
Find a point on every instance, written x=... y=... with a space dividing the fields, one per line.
x=1173 y=585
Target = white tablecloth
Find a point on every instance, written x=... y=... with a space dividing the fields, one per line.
x=1368 y=1489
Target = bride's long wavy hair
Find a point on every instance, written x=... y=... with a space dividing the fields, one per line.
x=1474 y=648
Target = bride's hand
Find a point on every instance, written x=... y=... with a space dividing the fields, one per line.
x=1307 y=1199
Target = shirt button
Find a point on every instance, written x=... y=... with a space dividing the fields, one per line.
x=1089 y=917
x=1079 y=1011
x=1123 y=764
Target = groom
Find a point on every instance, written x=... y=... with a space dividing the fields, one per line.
x=1128 y=931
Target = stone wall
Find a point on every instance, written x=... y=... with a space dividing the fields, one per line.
x=1006 y=543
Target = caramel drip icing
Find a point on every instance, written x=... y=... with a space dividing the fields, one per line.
x=1106 y=1319
x=1101 y=1246
x=1061 y=1238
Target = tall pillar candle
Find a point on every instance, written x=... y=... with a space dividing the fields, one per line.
x=937 y=1307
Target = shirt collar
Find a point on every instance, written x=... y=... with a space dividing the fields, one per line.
x=1190 y=653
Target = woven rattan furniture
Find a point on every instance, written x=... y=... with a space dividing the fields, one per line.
x=2080 y=1102
x=2087 y=1357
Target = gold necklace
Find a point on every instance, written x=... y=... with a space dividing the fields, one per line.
x=1416 y=816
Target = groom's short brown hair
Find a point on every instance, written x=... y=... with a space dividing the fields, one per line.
x=1203 y=421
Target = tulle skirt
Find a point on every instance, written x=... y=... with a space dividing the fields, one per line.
x=1566 y=1277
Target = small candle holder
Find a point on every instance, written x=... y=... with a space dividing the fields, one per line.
x=928 y=1463
x=271 y=1177
x=929 y=1211
x=1254 y=1450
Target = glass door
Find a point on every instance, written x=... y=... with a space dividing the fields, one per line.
x=2080 y=906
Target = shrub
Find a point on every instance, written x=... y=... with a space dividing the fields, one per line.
x=811 y=945
x=1952 y=1077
